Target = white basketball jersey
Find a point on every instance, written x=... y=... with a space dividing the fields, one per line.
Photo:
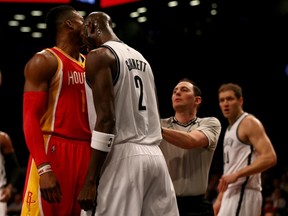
x=238 y=155
x=136 y=106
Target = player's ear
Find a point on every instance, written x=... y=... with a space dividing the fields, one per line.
x=69 y=23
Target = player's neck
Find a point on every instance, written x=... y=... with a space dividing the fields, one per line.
x=72 y=51
x=233 y=119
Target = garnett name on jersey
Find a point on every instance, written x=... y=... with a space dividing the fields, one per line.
x=135 y=64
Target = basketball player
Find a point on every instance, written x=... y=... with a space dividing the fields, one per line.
x=248 y=151
x=188 y=147
x=134 y=179
x=9 y=169
x=56 y=126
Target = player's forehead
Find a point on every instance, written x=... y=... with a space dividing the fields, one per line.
x=184 y=84
x=76 y=14
x=227 y=92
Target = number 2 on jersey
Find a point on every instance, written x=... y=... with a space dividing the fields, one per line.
x=139 y=84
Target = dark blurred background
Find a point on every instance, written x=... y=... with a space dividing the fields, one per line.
x=211 y=43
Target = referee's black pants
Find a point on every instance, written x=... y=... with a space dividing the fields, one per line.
x=194 y=206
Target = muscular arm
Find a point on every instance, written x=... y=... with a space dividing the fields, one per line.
x=99 y=75
x=99 y=66
x=38 y=72
x=252 y=131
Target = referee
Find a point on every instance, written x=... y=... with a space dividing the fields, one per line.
x=188 y=147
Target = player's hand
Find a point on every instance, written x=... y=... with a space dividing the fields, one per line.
x=87 y=196
x=226 y=180
x=6 y=193
x=50 y=188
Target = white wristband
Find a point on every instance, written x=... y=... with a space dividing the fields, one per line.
x=102 y=141
x=46 y=168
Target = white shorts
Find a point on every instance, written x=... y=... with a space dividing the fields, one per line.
x=135 y=182
x=250 y=204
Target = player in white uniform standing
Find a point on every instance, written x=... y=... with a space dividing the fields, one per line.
x=248 y=151
x=9 y=169
x=134 y=178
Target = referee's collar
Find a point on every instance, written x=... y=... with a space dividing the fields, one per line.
x=191 y=122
